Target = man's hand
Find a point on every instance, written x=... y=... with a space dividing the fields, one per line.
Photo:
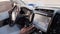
x=26 y=30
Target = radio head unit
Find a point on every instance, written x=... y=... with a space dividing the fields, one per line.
x=43 y=18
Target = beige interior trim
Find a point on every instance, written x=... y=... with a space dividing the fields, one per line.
x=5 y=5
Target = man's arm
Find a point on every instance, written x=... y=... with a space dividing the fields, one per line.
x=26 y=30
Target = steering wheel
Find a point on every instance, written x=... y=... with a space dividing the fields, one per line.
x=16 y=15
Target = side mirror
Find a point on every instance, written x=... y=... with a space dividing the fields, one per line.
x=12 y=16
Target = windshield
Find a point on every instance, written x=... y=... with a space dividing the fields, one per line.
x=46 y=3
